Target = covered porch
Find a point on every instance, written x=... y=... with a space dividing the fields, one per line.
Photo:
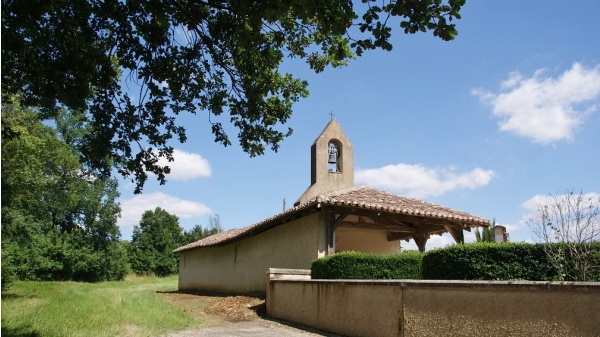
x=394 y=218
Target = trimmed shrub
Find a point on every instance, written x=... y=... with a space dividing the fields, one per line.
x=488 y=261
x=354 y=265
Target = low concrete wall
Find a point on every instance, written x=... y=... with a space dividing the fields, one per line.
x=287 y=274
x=437 y=308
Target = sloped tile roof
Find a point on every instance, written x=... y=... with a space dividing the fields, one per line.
x=362 y=197
x=370 y=198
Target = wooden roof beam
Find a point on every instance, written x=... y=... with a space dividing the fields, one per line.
x=421 y=240
x=416 y=218
x=456 y=232
x=388 y=226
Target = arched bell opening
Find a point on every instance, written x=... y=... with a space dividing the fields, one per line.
x=334 y=158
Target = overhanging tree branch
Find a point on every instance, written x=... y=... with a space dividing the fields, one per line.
x=226 y=61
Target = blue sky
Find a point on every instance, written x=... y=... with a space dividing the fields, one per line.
x=489 y=123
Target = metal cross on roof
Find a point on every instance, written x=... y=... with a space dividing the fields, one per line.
x=331 y=114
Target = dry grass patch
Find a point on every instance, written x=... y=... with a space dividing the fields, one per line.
x=238 y=308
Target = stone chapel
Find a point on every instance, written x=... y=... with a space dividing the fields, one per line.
x=331 y=216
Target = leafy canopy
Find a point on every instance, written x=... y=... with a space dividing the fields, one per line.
x=158 y=234
x=58 y=221
x=134 y=65
x=153 y=242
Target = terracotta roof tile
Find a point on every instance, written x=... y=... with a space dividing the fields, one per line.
x=370 y=198
x=361 y=197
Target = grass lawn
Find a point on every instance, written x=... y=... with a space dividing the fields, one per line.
x=127 y=308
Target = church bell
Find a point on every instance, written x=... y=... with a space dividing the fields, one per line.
x=332 y=158
x=333 y=154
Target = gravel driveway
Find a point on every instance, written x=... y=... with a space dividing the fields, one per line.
x=259 y=327
x=232 y=316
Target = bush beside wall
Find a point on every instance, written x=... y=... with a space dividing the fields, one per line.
x=475 y=261
x=488 y=261
x=354 y=265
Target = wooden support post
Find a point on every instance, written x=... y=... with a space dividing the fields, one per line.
x=330 y=233
x=332 y=225
x=421 y=240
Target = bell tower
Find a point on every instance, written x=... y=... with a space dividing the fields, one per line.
x=331 y=163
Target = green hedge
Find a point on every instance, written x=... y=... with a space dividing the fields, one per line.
x=476 y=261
x=488 y=261
x=493 y=261
x=353 y=265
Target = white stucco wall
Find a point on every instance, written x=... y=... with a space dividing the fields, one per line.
x=364 y=240
x=239 y=267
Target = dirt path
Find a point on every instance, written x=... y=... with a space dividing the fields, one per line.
x=216 y=309
x=233 y=316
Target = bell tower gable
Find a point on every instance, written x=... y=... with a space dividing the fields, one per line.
x=332 y=163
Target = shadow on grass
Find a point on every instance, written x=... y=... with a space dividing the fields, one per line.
x=21 y=331
x=13 y=296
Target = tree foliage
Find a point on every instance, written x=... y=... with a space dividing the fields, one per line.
x=158 y=234
x=135 y=65
x=58 y=220
x=198 y=232
x=153 y=242
x=569 y=225
x=486 y=234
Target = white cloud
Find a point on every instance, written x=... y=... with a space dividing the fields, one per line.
x=186 y=166
x=132 y=209
x=419 y=181
x=545 y=109
x=539 y=200
x=533 y=203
